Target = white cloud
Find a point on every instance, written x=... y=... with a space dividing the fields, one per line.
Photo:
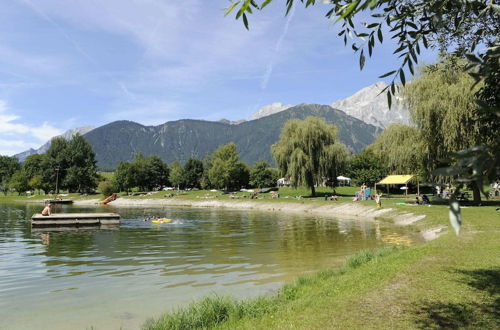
x=45 y=132
x=16 y=137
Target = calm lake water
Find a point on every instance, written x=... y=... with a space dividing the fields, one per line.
x=117 y=278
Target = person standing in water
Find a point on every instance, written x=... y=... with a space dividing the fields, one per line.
x=378 y=200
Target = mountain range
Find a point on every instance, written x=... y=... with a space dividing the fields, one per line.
x=367 y=104
x=182 y=139
x=359 y=117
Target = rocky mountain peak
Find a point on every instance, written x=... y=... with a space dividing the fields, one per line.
x=270 y=109
x=371 y=107
x=66 y=135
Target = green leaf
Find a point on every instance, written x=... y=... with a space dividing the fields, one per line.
x=389 y=99
x=473 y=58
x=412 y=25
x=289 y=5
x=402 y=76
x=231 y=8
x=400 y=48
x=245 y=21
x=387 y=74
x=372 y=25
x=413 y=55
x=424 y=40
x=348 y=10
x=380 y=36
x=410 y=67
x=265 y=3
x=243 y=8
x=361 y=60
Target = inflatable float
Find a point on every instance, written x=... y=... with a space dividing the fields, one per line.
x=160 y=221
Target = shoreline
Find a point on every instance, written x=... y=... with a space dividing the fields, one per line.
x=336 y=209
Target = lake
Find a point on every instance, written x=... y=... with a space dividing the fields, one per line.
x=117 y=278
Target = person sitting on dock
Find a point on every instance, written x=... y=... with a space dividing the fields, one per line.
x=46 y=211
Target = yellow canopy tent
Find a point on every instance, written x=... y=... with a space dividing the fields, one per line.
x=399 y=179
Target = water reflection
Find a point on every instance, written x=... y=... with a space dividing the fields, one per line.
x=147 y=266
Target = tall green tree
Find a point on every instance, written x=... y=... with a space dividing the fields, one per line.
x=366 y=168
x=146 y=173
x=40 y=165
x=443 y=107
x=19 y=182
x=177 y=175
x=305 y=151
x=35 y=182
x=122 y=178
x=241 y=177
x=57 y=163
x=81 y=174
x=157 y=172
x=225 y=167
x=262 y=175
x=8 y=166
x=399 y=148
x=193 y=172
x=337 y=157
x=33 y=164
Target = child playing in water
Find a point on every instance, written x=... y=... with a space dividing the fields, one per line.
x=378 y=200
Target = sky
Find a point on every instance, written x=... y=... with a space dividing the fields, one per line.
x=73 y=63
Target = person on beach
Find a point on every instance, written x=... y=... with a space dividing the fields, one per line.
x=46 y=210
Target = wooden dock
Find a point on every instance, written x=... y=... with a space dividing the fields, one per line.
x=75 y=219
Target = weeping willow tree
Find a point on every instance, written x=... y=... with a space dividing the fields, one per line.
x=442 y=106
x=399 y=148
x=308 y=152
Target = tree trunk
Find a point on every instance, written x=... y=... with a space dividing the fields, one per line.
x=313 y=191
x=476 y=194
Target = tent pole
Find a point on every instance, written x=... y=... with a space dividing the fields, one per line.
x=406 y=190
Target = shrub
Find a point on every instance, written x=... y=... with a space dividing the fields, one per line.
x=106 y=188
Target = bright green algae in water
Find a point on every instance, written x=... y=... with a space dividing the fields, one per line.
x=119 y=277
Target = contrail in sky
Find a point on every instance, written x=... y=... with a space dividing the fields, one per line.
x=269 y=70
x=77 y=46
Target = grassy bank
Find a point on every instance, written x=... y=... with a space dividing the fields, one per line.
x=36 y=198
x=452 y=282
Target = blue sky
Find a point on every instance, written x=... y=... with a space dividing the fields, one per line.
x=65 y=64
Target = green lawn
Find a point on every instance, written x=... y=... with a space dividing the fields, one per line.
x=451 y=282
x=107 y=175
x=14 y=197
